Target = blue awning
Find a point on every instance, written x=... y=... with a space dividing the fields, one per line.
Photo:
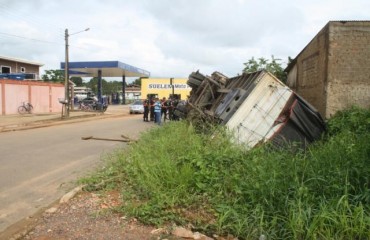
x=108 y=68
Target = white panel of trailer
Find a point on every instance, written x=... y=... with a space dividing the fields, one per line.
x=254 y=121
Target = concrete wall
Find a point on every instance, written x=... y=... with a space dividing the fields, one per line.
x=1 y=97
x=43 y=96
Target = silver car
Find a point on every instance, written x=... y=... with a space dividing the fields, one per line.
x=137 y=107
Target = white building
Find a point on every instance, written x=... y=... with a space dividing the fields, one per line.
x=81 y=92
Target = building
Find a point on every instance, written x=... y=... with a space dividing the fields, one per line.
x=19 y=69
x=100 y=69
x=333 y=71
x=81 y=92
x=17 y=86
x=164 y=87
x=132 y=93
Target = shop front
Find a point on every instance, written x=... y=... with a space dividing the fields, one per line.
x=165 y=87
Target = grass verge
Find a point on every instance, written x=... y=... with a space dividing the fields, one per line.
x=176 y=174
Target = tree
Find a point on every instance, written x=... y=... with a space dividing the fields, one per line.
x=93 y=84
x=107 y=87
x=273 y=66
x=77 y=80
x=53 y=76
x=137 y=82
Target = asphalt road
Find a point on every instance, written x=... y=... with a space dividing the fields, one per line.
x=38 y=166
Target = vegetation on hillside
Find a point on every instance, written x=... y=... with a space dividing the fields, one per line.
x=174 y=174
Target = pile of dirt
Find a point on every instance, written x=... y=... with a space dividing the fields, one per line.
x=89 y=216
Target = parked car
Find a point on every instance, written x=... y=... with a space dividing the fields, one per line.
x=137 y=107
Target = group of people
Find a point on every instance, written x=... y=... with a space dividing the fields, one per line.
x=155 y=109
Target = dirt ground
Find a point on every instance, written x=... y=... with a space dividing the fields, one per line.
x=89 y=216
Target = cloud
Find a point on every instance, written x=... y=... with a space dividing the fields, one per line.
x=168 y=38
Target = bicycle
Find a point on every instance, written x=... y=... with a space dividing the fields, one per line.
x=25 y=108
x=85 y=107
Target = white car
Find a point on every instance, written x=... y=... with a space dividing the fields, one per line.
x=137 y=107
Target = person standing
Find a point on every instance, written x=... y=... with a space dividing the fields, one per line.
x=169 y=105
x=157 y=111
x=146 y=110
x=175 y=102
x=164 y=109
x=151 y=102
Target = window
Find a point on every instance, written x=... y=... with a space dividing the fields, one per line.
x=23 y=69
x=5 y=69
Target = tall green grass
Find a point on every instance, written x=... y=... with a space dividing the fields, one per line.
x=176 y=174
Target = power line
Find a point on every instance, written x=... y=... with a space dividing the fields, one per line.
x=16 y=15
x=33 y=39
x=39 y=40
x=33 y=21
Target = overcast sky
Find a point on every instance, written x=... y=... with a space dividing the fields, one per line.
x=168 y=38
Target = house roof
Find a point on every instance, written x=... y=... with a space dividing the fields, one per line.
x=21 y=60
x=108 y=68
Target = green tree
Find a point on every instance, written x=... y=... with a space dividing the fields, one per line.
x=53 y=76
x=77 y=80
x=273 y=66
x=114 y=86
x=137 y=82
x=107 y=87
x=93 y=85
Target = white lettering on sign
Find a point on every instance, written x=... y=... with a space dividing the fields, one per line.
x=167 y=86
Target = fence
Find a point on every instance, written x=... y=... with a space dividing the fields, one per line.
x=43 y=96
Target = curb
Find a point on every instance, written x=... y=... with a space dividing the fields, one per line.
x=57 y=121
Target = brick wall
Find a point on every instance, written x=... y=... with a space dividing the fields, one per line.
x=311 y=72
x=333 y=70
x=348 y=66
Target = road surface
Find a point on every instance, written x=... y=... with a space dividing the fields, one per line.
x=38 y=166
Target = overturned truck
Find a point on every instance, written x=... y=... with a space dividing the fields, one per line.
x=256 y=107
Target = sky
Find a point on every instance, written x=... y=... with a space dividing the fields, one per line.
x=168 y=38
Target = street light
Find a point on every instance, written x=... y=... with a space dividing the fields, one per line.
x=66 y=72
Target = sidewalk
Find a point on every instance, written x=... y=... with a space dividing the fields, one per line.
x=16 y=122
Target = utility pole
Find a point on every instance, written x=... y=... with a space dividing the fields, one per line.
x=123 y=89
x=172 y=86
x=67 y=101
x=66 y=77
